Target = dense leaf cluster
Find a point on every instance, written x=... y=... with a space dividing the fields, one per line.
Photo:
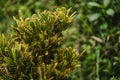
x=34 y=51
x=95 y=28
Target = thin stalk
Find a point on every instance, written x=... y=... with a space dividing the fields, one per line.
x=97 y=65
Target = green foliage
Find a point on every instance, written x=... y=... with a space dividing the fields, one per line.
x=34 y=51
x=113 y=78
x=97 y=22
x=102 y=38
x=95 y=28
x=11 y=8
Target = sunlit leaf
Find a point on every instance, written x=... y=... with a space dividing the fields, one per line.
x=94 y=16
x=106 y=2
x=94 y=4
x=110 y=12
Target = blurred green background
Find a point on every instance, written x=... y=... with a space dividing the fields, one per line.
x=96 y=28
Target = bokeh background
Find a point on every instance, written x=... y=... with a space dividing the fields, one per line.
x=95 y=28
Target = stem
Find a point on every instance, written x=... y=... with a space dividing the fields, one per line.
x=97 y=65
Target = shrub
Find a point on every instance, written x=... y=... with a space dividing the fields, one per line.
x=34 y=51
